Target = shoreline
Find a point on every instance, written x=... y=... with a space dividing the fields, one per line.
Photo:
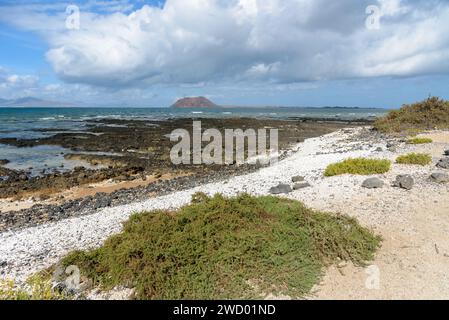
x=130 y=175
x=384 y=210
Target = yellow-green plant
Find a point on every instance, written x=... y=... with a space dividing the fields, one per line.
x=360 y=166
x=37 y=287
x=421 y=159
x=419 y=140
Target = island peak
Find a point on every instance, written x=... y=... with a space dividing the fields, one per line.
x=194 y=102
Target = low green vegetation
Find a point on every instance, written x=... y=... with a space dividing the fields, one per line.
x=225 y=248
x=360 y=166
x=419 y=140
x=36 y=287
x=415 y=158
x=430 y=114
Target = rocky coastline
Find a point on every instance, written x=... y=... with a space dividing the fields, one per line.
x=135 y=164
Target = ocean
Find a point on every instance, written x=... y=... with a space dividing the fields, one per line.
x=31 y=123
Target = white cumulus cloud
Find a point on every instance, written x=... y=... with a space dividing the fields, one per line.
x=276 y=41
x=10 y=81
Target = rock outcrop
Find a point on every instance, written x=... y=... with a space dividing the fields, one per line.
x=194 y=102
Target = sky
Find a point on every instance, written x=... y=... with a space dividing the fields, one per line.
x=354 y=53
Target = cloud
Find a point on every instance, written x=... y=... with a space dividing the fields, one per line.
x=11 y=82
x=268 y=41
x=14 y=85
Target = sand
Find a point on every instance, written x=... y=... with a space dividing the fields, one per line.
x=413 y=261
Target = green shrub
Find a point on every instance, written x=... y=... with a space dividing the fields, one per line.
x=419 y=140
x=415 y=158
x=36 y=287
x=225 y=248
x=432 y=113
x=360 y=166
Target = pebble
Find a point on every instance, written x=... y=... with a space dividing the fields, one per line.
x=281 y=188
x=404 y=181
x=443 y=163
x=301 y=185
x=42 y=213
x=440 y=177
x=373 y=183
x=392 y=149
x=298 y=179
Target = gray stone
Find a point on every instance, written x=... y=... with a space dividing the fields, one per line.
x=440 y=177
x=391 y=147
x=379 y=149
x=3 y=264
x=373 y=183
x=281 y=188
x=446 y=152
x=301 y=185
x=443 y=163
x=298 y=179
x=404 y=181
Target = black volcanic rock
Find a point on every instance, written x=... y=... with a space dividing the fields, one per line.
x=194 y=102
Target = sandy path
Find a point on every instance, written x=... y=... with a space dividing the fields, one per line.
x=413 y=262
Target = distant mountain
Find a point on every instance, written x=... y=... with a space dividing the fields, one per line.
x=194 y=102
x=32 y=102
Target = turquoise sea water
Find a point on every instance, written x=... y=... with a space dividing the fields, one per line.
x=30 y=123
x=23 y=122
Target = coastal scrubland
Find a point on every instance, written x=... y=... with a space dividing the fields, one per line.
x=430 y=114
